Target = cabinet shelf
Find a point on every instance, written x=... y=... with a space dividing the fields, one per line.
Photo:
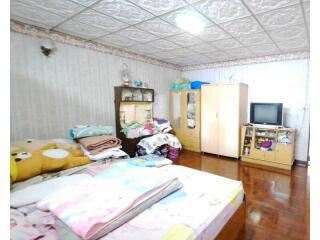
x=272 y=147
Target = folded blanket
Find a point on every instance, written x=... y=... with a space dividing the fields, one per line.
x=98 y=144
x=89 y=131
x=111 y=153
x=94 y=207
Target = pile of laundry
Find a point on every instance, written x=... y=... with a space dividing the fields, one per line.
x=97 y=142
x=135 y=129
x=161 y=144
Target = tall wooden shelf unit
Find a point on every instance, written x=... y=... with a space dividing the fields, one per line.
x=268 y=146
x=132 y=105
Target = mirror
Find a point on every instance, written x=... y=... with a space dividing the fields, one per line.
x=176 y=110
x=191 y=110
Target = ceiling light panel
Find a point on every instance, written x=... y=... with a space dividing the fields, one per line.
x=188 y=11
x=123 y=11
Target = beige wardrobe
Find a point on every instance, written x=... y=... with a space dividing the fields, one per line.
x=223 y=111
x=185 y=117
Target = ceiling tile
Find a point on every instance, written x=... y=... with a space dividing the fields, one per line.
x=178 y=60
x=159 y=27
x=255 y=39
x=85 y=2
x=164 y=55
x=60 y=7
x=116 y=40
x=136 y=35
x=242 y=26
x=265 y=49
x=212 y=33
x=182 y=52
x=35 y=14
x=123 y=11
x=203 y=48
x=298 y=44
x=171 y=17
x=281 y=18
x=222 y=10
x=79 y=29
x=160 y=7
x=96 y=19
x=27 y=21
x=226 y=44
x=218 y=55
x=306 y=7
x=240 y=52
x=200 y=58
x=184 y=39
x=282 y=34
x=163 y=45
x=142 y=49
x=259 y=6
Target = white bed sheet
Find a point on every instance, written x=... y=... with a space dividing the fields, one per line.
x=197 y=211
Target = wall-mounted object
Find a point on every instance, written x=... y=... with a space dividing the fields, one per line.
x=47 y=47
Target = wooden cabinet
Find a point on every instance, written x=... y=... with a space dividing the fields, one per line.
x=132 y=105
x=185 y=117
x=268 y=146
x=223 y=110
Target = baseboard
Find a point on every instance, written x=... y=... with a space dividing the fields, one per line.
x=300 y=163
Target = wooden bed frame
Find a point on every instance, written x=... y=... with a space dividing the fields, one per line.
x=231 y=230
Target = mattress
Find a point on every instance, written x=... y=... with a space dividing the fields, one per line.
x=197 y=211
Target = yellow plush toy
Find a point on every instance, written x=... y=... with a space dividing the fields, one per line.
x=47 y=159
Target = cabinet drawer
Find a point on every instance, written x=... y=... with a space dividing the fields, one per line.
x=284 y=154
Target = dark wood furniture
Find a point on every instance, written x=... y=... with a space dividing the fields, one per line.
x=122 y=96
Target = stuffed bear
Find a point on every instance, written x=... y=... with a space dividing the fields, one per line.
x=46 y=159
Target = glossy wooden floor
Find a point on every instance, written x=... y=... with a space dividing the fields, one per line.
x=277 y=201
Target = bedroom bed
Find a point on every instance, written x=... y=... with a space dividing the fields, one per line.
x=207 y=207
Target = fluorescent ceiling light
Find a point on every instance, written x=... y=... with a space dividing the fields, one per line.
x=190 y=23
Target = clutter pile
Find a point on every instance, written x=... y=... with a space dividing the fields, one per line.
x=162 y=144
x=135 y=130
x=97 y=143
x=186 y=84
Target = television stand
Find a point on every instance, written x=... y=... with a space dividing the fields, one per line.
x=271 y=146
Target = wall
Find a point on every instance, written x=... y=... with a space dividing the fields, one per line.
x=285 y=82
x=73 y=86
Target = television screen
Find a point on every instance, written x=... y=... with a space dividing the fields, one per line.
x=266 y=113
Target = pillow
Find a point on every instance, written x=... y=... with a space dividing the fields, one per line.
x=36 y=192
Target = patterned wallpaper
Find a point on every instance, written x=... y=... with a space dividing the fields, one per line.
x=74 y=85
x=283 y=81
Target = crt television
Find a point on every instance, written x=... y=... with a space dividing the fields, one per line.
x=266 y=113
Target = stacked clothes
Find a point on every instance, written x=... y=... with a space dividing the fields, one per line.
x=135 y=129
x=162 y=144
x=97 y=143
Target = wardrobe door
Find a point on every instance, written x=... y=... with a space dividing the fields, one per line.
x=228 y=116
x=209 y=120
